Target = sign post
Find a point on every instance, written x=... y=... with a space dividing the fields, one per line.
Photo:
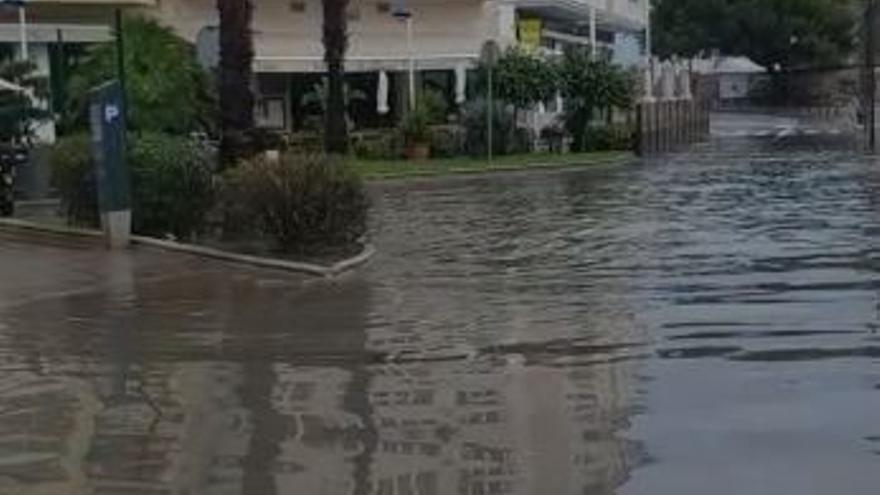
x=107 y=119
x=489 y=55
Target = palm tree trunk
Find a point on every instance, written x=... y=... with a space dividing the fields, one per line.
x=335 y=45
x=236 y=76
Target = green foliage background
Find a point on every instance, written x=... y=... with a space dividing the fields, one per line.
x=167 y=90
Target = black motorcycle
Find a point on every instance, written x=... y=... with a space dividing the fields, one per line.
x=11 y=157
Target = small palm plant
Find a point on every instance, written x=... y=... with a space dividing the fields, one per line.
x=316 y=100
x=21 y=96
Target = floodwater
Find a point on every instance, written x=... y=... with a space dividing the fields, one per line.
x=704 y=323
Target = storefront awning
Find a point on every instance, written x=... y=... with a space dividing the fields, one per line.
x=49 y=33
x=355 y=63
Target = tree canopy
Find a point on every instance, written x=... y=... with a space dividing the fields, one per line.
x=589 y=84
x=524 y=79
x=167 y=90
x=777 y=34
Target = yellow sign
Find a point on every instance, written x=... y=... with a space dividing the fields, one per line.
x=530 y=33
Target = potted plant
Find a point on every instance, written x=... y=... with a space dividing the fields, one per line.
x=416 y=131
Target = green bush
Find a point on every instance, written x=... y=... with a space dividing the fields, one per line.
x=590 y=85
x=74 y=178
x=166 y=88
x=523 y=78
x=416 y=126
x=523 y=141
x=308 y=204
x=434 y=105
x=430 y=109
x=172 y=184
x=447 y=141
x=554 y=137
x=615 y=137
x=476 y=135
x=267 y=140
x=383 y=146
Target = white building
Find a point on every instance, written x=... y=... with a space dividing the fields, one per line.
x=447 y=36
x=733 y=78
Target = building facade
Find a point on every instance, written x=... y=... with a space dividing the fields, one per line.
x=442 y=44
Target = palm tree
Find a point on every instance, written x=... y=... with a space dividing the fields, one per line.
x=335 y=44
x=236 y=75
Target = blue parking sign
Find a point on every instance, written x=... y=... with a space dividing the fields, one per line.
x=107 y=119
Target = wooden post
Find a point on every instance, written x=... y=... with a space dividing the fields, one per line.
x=667 y=127
x=641 y=135
x=659 y=126
x=639 y=131
x=706 y=129
x=689 y=105
x=679 y=123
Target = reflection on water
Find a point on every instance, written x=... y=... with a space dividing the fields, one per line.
x=212 y=384
x=284 y=429
x=652 y=328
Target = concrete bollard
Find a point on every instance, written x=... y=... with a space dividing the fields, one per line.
x=117 y=228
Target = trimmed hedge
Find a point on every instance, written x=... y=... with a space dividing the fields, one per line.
x=74 y=178
x=612 y=137
x=172 y=183
x=307 y=204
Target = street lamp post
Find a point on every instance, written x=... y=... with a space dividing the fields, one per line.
x=489 y=56
x=402 y=13
x=870 y=76
x=649 y=79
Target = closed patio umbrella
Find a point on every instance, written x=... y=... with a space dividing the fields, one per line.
x=382 y=94
x=460 y=83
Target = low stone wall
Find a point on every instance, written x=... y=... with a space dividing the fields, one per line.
x=669 y=125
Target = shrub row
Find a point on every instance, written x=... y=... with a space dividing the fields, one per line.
x=172 y=183
x=469 y=137
x=304 y=205
x=307 y=204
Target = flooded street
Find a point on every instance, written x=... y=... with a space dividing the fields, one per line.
x=705 y=323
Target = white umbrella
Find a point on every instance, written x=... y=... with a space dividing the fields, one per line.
x=10 y=86
x=382 y=94
x=460 y=83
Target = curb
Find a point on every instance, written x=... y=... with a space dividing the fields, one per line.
x=205 y=252
x=16 y=223
x=501 y=169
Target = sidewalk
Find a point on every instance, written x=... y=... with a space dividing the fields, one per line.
x=37 y=267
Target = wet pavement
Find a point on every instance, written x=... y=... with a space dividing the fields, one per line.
x=704 y=323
